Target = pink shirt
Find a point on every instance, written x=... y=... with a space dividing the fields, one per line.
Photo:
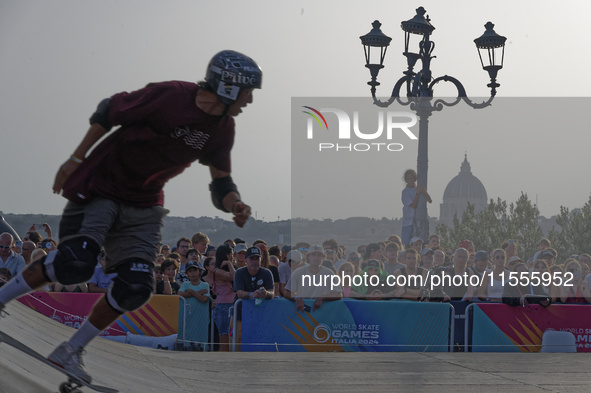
x=224 y=290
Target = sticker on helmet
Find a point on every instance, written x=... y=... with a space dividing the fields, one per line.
x=228 y=91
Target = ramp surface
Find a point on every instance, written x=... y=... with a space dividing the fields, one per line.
x=137 y=369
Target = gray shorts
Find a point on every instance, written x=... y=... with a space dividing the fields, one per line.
x=124 y=231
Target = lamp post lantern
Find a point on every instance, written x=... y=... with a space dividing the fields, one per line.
x=419 y=85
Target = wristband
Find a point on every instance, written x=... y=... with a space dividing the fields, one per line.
x=296 y=298
x=76 y=159
x=250 y=295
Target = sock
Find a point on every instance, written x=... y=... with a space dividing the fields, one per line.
x=84 y=335
x=14 y=288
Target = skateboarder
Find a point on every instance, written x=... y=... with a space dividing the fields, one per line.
x=115 y=197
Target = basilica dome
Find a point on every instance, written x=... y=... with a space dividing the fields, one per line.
x=463 y=188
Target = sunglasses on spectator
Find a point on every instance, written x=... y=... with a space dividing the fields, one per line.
x=5 y=247
x=302 y=249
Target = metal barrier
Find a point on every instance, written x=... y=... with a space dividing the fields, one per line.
x=452 y=325
x=279 y=344
x=234 y=311
x=186 y=310
x=493 y=326
x=183 y=319
x=467 y=329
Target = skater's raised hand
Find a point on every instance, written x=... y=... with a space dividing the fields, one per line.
x=241 y=213
x=63 y=174
x=94 y=133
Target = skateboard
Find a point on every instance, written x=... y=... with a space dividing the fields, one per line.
x=73 y=384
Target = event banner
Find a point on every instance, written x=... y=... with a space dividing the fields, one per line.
x=347 y=325
x=502 y=328
x=158 y=318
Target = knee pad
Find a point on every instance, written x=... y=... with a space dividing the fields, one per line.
x=133 y=286
x=73 y=262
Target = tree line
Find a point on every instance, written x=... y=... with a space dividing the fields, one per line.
x=520 y=220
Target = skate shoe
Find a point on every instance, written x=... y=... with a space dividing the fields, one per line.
x=70 y=359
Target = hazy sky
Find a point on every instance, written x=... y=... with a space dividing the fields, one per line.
x=58 y=59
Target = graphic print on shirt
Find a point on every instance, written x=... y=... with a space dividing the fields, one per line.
x=193 y=138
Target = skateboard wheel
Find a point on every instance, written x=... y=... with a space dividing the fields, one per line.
x=65 y=387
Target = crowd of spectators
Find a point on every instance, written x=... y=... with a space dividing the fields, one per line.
x=498 y=275
x=218 y=275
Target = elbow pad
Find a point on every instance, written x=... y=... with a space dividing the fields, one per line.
x=101 y=115
x=219 y=188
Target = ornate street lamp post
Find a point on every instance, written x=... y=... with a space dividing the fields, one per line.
x=419 y=85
